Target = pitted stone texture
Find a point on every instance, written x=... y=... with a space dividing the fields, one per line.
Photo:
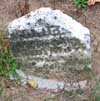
x=49 y=38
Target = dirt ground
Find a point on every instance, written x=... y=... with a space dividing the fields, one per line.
x=89 y=16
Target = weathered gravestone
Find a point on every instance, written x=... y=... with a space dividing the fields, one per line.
x=50 y=39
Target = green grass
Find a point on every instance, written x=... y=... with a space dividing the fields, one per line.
x=8 y=64
x=95 y=92
x=80 y=3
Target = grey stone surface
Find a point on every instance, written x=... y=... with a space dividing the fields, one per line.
x=50 y=39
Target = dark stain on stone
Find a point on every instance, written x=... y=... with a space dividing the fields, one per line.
x=28 y=24
x=39 y=20
x=55 y=17
x=33 y=63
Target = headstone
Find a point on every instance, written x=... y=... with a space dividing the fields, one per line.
x=50 y=39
